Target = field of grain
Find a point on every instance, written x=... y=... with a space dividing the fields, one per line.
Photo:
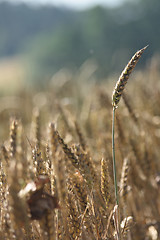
x=56 y=171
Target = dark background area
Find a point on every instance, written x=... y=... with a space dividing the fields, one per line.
x=48 y=38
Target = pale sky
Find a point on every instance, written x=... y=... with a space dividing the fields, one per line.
x=78 y=4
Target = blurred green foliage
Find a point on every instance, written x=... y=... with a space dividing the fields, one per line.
x=52 y=38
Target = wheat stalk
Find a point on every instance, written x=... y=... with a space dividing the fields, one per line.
x=117 y=93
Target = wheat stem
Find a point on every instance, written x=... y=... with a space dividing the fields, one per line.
x=114 y=171
x=114 y=160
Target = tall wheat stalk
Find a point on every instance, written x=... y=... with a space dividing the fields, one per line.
x=117 y=93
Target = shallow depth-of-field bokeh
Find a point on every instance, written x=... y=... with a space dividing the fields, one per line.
x=56 y=160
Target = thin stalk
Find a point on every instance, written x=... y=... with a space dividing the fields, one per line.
x=114 y=161
x=117 y=226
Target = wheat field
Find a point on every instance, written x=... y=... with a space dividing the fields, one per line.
x=56 y=172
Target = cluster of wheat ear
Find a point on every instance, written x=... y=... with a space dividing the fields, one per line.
x=57 y=178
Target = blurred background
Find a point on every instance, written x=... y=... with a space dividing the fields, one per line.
x=44 y=40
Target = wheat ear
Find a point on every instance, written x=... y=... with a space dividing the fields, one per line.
x=124 y=178
x=13 y=137
x=105 y=181
x=36 y=127
x=117 y=92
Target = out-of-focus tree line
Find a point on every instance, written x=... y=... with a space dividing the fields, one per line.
x=52 y=38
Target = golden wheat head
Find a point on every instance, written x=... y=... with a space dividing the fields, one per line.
x=117 y=92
